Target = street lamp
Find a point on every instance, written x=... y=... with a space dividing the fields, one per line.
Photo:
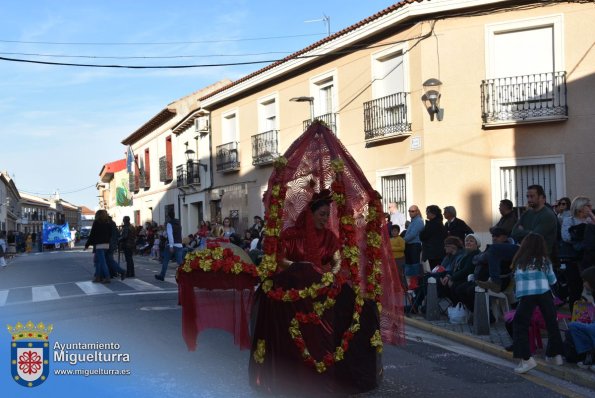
x=190 y=159
x=306 y=99
x=189 y=154
x=431 y=98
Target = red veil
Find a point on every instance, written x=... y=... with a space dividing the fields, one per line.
x=311 y=168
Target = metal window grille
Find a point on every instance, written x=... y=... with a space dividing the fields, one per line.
x=394 y=189
x=515 y=180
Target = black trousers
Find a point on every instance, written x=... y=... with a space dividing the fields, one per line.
x=575 y=283
x=522 y=320
x=129 y=262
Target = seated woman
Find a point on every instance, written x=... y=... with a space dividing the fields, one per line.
x=460 y=287
x=580 y=213
x=453 y=246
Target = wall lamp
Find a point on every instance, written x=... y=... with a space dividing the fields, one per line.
x=190 y=157
x=431 y=98
x=306 y=99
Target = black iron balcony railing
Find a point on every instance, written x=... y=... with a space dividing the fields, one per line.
x=165 y=169
x=188 y=173
x=265 y=147
x=330 y=119
x=227 y=157
x=527 y=98
x=386 y=117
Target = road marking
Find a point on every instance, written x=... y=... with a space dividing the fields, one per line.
x=3 y=296
x=149 y=292
x=44 y=293
x=164 y=308
x=171 y=280
x=138 y=284
x=93 y=288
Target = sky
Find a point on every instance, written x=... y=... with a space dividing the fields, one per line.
x=60 y=124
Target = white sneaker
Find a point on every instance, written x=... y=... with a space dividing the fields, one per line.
x=582 y=365
x=525 y=366
x=557 y=360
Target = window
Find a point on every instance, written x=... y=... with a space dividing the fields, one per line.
x=229 y=132
x=525 y=71
x=395 y=186
x=324 y=91
x=325 y=97
x=268 y=115
x=147 y=168
x=169 y=158
x=137 y=218
x=387 y=115
x=394 y=189
x=388 y=74
x=511 y=177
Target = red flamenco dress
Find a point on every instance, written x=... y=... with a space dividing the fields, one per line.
x=326 y=355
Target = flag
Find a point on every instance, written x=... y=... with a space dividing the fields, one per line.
x=129 y=159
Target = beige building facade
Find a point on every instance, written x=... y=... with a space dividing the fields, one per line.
x=513 y=82
x=171 y=168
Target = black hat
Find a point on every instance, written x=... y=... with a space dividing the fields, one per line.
x=498 y=231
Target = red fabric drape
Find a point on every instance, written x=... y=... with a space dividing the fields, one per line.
x=308 y=171
x=220 y=301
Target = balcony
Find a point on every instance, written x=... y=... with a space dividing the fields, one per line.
x=330 y=119
x=188 y=174
x=165 y=169
x=228 y=157
x=524 y=99
x=265 y=147
x=386 y=118
x=133 y=182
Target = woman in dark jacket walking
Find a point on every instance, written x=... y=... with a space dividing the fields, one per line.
x=432 y=237
x=99 y=238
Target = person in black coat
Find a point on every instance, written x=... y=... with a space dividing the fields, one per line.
x=99 y=238
x=455 y=226
x=432 y=237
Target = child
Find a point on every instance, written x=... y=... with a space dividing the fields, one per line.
x=397 y=245
x=155 y=249
x=534 y=275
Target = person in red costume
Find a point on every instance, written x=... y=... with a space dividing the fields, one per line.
x=310 y=240
x=291 y=353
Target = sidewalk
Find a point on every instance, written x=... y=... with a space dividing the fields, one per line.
x=494 y=344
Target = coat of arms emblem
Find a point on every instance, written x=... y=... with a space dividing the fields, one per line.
x=29 y=353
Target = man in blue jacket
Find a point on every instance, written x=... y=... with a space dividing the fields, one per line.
x=413 y=243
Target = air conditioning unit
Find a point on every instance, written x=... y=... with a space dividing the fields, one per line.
x=202 y=124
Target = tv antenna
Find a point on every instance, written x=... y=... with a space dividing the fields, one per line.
x=327 y=21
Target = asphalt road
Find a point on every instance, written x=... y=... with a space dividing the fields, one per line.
x=141 y=315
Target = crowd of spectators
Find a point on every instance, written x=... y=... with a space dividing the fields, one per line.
x=446 y=248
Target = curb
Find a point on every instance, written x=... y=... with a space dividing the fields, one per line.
x=576 y=376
